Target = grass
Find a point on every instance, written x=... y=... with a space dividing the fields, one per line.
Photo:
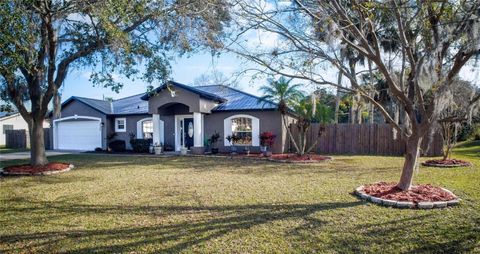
x=202 y=205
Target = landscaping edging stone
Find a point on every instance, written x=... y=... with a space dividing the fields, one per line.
x=327 y=158
x=406 y=204
x=468 y=164
x=70 y=167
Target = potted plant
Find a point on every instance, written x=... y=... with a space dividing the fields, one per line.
x=267 y=139
x=246 y=150
x=183 y=150
x=213 y=142
x=158 y=148
x=232 y=139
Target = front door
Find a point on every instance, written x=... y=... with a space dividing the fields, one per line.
x=188 y=132
x=184 y=132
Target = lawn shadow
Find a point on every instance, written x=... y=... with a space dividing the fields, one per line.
x=205 y=223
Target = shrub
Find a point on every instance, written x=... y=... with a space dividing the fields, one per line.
x=140 y=145
x=117 y=145
x=267 y=139
x=476 y=132
x=98 y=149
x=168 y=148
x=469 y=132
x=214 y=139
x=466 y=131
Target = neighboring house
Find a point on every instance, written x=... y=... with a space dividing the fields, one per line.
x=175 y=114
x=13 y=121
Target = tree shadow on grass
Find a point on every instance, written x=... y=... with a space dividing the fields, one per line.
x=198 y=225
x=427 y=233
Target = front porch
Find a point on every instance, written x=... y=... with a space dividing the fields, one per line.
x=178 y=115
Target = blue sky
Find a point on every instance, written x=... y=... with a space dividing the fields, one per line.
x=184 y=70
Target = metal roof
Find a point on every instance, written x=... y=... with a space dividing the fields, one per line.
x=230 y=99
x=203 y=94
x=236 y=99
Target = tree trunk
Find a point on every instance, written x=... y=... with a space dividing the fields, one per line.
x=372 y=114
x=289 y=133
x=351 y=116
x=37 y=143
x=337 y=97
x=411 y=157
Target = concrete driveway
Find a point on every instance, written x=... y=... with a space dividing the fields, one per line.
x=26 y=155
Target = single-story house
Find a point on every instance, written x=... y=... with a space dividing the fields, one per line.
x=173 y=114
x=13 y=121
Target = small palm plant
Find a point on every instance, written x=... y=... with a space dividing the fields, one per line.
x=285 y=95
x=290 y=99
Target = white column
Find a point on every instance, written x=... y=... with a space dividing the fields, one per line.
x=197 y=129
x=156 y=128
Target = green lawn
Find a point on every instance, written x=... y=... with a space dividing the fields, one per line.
x=203 y=205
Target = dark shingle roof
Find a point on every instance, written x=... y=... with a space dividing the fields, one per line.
x=125 y=106
x=100 y=105
x=130 y=105
x=236 y=99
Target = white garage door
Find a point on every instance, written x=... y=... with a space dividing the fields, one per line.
x=79 y=135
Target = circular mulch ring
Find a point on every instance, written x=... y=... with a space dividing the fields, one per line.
x=27 y=170
x=453 y=163
x=423 y=196
x=293 y=158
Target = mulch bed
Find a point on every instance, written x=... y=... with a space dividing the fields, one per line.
x=418 y=193
x=27 y=169
x=448 y=163
x=281 y=157
x=296 y=158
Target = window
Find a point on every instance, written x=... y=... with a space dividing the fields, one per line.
x=120 y=125
x=147 y=129
x=7 y=127
x=243 y=126
x=242 y=129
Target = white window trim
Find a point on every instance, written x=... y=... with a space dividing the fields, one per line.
x=124 y=124
x=227 y=128
x=140 y=126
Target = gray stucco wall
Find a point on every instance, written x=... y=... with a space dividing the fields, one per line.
x=131 y=121
x=169 y=129
x=182 y=96
x=269 y=121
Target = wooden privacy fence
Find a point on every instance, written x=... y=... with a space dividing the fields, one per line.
x=21 y=139
x=373 y=139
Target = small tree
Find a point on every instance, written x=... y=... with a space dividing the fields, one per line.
x=463 y=104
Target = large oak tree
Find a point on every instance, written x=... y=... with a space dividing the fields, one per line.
x=41 y=41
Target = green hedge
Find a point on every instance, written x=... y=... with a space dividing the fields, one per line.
x=140 y=145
